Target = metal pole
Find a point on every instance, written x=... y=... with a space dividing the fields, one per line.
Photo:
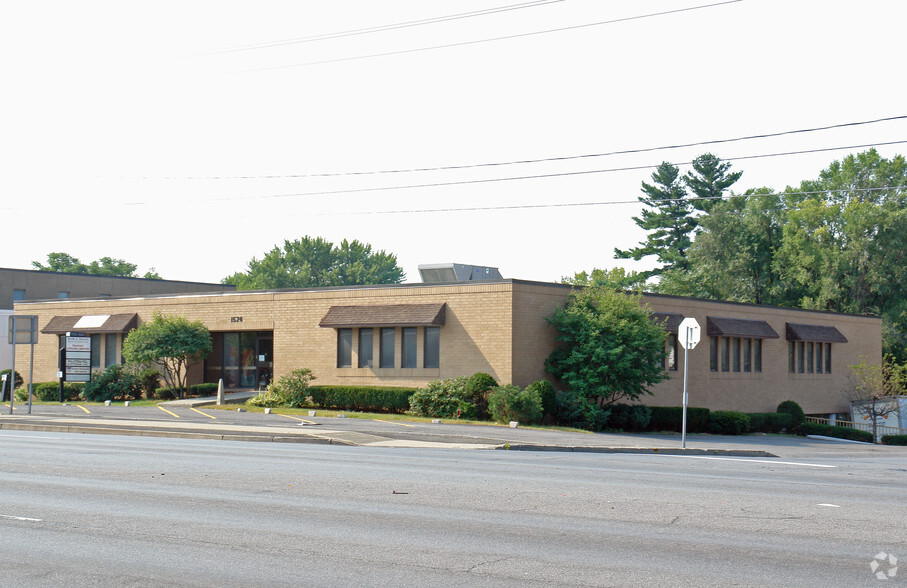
x=686 y=364
x=31 y=372
x=12 y=380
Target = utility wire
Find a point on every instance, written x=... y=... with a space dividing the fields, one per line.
x=488 y=40
x=535 y=176
x=387 y=27
x=529 y=161
x=607 y=203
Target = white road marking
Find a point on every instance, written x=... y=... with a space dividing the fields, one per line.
x=748 y=460
x=27 y=436
x=21 y=518
x=827 y=504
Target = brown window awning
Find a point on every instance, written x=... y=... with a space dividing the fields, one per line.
x=731 y=327
x=818 y=333
x=669 y=321
x=92 y=323
x=388 y=315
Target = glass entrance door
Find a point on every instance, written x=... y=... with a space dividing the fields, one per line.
x=242 y=359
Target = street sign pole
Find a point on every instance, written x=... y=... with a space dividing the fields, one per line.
x=688 y=336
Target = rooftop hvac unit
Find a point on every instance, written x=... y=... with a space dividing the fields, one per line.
x=457 y=272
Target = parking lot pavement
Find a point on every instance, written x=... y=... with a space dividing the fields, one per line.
x=184 y=420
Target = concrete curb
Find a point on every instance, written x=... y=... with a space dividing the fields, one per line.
x=642 y=450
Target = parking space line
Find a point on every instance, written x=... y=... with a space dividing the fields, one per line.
x=173 y=414
x=203 y=413
x=394 y=423
x=83 y=408
x=288 y=416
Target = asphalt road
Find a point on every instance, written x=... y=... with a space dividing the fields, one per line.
x=92 y=510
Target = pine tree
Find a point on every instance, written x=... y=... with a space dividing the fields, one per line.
x=709 y=180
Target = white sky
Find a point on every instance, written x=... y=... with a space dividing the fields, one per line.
x=111 y=112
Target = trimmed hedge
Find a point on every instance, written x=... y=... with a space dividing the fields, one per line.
x=894 y=439
x=728 y=422
x=50 y=391
x=770 y=422
x=670 y=418
x=206 y=389
x=362 y=398
x=631 y=417
x=834 y=431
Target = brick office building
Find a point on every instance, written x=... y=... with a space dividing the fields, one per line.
x=750 y=358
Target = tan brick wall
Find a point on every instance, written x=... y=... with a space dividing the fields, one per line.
x=495 y=327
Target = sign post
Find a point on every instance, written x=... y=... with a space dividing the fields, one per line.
x=688 y=335
x=23 y=330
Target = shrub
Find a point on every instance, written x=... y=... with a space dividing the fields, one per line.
x=362 y=398
x=547 y=394
x=442 y=398
x=835 y=431
x=894 y=439
x=478 y=387
x=6 y=385
x=270 y=397
x=770 y=422
x=670 y=418
x=50 y=391
x=509 y=403
x=629 y=417
x=149 y=380
x=114 y=382
x=206 y=389
x=792 y=408
x=293 y=388
x=728 y=422
x=575 y=410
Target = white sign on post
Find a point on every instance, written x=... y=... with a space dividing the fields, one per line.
x=688 y=333
x=688 y=336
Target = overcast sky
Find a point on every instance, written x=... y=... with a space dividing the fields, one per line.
x=190 y=136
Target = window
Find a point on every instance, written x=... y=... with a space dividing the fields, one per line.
x=713 y=353
x=818 y=358
x=801 y=353
x=809 y=357
x=95 y=351
x=365 y=348
x=431 y=357
x=791 y=356
x=828 y=358
x=18 y=294
x=386 y=358
x=757 y=355
x=62 y=294
x=725 y=354
x=748 y=355
x=344 y=348
x=672 y=352
x=736 y=354
x=110 y=349
x=408 y=348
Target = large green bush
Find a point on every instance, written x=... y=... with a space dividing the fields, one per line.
x=387 y=399
x=576 y=410
x=629 y=417
x=206 y=389
x=547 y=394
x=6 y=385
x=894 y=439
x=770 y=422
x=114 y=382
x=442 y=399
x=294 y=387
x=834 y=431
x=50 y=391
x=509 y=403
x=792 y=408
x=478 y=388
x=670 y=418
x=728 y=422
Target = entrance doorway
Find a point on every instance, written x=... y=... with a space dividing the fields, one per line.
x=243 y=359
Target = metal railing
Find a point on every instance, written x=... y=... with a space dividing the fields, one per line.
x=880 y=430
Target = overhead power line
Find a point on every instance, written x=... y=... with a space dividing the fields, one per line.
x=605 y=203
x=491 y=39
x=531 y=161
x=387 y=27
x=534 y=176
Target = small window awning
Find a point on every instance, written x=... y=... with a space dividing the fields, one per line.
x=731 y=327
x=92 y=323
x=669 y=321
x=388 y=315
x=820 y=333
